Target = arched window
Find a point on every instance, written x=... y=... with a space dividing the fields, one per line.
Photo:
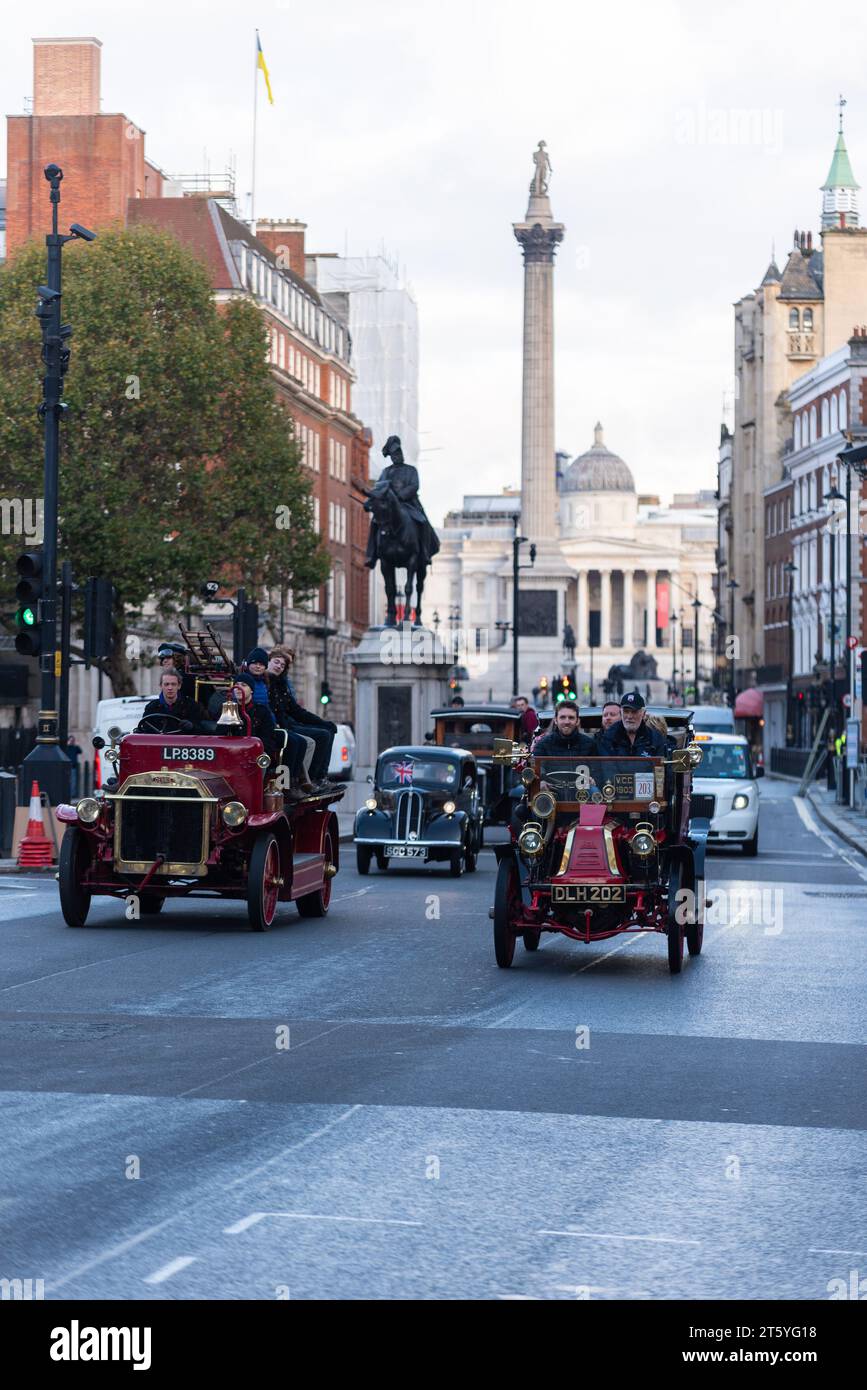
x=812 y=423
x=808 y=320
x=843 y=415
x=797 y=432
x=834 y=415
x=794 y=319
x=826 y=482
x=825 y=417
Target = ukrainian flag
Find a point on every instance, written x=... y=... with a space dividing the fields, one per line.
x=260 y=63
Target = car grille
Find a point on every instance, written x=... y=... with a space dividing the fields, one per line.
x=171 y=827
x=702 y=805
x=408 y=820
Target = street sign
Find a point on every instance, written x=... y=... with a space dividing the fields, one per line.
x=853 y=729
x=851 y=643
x=847 y=701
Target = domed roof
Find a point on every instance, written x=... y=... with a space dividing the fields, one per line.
x=598 y=470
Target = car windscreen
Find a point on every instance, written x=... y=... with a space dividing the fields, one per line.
x=724 y=760
x=702 y=728
x=430 y=774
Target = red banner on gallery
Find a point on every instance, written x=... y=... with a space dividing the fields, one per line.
x=662 y=604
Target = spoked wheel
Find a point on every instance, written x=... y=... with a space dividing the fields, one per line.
x=506 y=898
x=363 y=856
x=151 y=904
x=263 y=882
x=74 y=862
x=675 y=930
x=531 y=940
x=316 y=904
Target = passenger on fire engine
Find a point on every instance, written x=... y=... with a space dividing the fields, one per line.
x=175 y=656
x=262 y=726
x=290 y=713
x=610 y=715
x=171 y=701
x=633 y=737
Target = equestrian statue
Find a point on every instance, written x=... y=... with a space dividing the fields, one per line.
x=401 y=537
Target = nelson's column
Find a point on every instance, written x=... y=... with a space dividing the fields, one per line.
x=542 y=607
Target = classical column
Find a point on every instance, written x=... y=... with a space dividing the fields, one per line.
x=605 y=608
x=627 y=614
x=538 y=236
x=651 y=609
x=583 y=634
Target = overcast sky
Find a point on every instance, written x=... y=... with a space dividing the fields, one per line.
x=684 y=140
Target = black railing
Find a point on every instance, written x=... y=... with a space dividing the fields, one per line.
x=789 y=762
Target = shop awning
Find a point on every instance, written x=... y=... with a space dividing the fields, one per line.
x=749 y=704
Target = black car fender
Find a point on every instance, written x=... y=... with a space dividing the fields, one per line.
x=374 y=825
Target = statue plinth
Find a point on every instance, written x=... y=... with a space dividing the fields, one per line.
x=401 y=675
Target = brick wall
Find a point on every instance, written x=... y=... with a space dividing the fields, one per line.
x=66 y=77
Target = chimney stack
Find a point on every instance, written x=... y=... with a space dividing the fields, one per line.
x=66 y=77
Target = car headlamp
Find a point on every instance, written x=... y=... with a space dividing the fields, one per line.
x=543 y=805
x=87 y=810
x=643 y=842
x=531 y=841
x=449 y=808
x=740 y=801
x=528 y=776
x=695 y=754
x=234 y=814
x=371 y=803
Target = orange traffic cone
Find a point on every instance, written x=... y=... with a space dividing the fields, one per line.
x=35 y=848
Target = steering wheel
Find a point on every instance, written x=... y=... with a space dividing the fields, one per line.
x=165 y=724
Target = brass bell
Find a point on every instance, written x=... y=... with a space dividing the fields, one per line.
x=229 y=719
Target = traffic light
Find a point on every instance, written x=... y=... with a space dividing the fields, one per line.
x=325 y=694
x=99 y=597
x=245 y=626
x=29 y=591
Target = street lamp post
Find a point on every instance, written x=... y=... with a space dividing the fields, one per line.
x=835 y=495
x=790 y=570
x=696 y=605
x=517 y=541
x=731 y=586
x=47 y=762
x=674 y=653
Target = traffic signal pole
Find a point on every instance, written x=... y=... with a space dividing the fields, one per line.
x=48 y=763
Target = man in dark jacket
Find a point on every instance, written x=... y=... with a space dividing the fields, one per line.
x=565 y=736
x=632 y=737
x=175 y=656
x=171 y=701
x=292 y=715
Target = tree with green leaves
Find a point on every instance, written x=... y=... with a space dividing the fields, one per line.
x=177 y=463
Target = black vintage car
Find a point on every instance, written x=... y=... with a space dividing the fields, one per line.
x=475 y=727
x=426 y=806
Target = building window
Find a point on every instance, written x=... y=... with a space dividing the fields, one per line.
x=825 y=417
x=835 y=416
x=808 y=320
x=843 y=415
x=794 y=318
x=316 y=515
x=341 y=595
x=812 y=423
x=797 y=432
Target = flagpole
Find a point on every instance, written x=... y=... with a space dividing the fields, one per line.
x=255 y=112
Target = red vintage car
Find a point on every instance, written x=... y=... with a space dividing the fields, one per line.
x=189 y=815
x=602 y=845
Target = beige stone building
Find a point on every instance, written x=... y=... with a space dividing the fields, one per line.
x=782 y=329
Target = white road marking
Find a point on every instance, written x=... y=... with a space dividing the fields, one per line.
x=160 y=1276
x=236 y=1071
x=820 y=1250
x=125 y=1245
x=359 y=893
x=613 y=952
x=606 y=1235
x=810 y=823
x=255 y=1217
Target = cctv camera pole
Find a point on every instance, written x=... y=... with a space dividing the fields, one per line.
x=48 y=763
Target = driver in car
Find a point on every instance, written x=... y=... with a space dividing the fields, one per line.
x=171 y=701
x=564 y=736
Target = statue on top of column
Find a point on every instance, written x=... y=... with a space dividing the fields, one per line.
x=539 y=184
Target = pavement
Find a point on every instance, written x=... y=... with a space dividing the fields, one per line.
x=850 y=825
x=365 y=1106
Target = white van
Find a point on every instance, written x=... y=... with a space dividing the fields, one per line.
x=713 y=719
x=122 y=712
x=724 y=787
x=342 y=761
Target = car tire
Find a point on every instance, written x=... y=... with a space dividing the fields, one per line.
x=532 y=940
x=151 y=904
x=457 y=862
x=382 y=861
x=750 y=848
x=363 y=856
x=471 y=857
x=262 y=886
x=74 y=859
x=316 y=904
x=675 y=929
x=505 y=899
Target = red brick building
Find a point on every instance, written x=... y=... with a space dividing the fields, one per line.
x=108 y=180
